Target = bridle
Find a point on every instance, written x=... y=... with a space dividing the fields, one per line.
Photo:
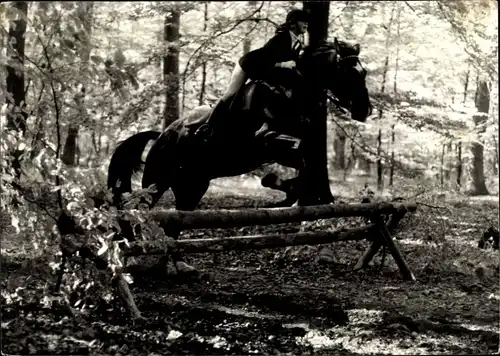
x=337 y=59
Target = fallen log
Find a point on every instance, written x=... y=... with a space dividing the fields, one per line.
x=226 y=218
x=252 y=242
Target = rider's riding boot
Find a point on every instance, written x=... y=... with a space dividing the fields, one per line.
x=265 y=132
x=206 y=130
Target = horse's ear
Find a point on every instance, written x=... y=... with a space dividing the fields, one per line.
x=357 y=48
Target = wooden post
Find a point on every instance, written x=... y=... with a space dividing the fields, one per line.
x=386 y=238
x=372 y=250
x=394 y=250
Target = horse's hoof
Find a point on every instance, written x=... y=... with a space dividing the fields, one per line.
x=171 y=270
x=184 y=268
x=326 y=256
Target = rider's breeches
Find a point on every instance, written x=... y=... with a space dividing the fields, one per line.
x=238 y=78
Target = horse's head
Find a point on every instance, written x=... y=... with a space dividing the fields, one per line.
x=336 y=66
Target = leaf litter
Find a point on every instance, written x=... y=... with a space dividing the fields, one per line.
x=275 y=302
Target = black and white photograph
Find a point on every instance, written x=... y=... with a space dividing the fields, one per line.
x=249 y=178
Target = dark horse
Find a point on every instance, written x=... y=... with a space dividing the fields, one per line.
x=178 y=160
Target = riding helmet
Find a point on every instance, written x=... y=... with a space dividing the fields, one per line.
x=296 y=15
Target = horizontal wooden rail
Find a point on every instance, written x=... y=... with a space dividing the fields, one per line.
x=224 y=218
x=252 y=242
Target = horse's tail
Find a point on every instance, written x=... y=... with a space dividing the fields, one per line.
x=163 y=159
x=125 y=161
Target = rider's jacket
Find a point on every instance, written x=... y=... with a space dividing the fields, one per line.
x=258 y=63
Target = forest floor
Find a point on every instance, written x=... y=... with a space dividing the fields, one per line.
x=284 y=300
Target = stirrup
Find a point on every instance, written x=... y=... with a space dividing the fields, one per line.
x=270 y=134
x=204 y=131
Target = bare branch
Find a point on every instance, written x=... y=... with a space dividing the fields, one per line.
x=408 y=4
x=340 y=13
x=263 y=19
x=352 y=138
x=217 y=35
x=435 y=206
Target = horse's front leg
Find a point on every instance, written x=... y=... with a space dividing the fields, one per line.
x=188 y=191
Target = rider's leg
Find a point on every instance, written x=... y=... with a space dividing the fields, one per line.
x=238 y=78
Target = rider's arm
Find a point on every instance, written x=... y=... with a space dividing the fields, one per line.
x=258 y=61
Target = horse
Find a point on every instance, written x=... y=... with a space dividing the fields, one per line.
x=178 y=160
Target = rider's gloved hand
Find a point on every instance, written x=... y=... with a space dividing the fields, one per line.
x=287 y=64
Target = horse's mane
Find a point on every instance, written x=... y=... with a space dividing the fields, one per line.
x=320 y=48
x=328 y=46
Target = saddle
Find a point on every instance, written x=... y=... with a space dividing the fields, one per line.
x=243 y=100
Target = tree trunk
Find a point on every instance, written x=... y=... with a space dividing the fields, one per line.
x=380 y=169
x=365 y=165
x=495 y=158
x=494 y=114
x=395 y=88
x=314 y=177
x=84 y=15
x=441 y=170
x=16 y=97
x=351 y=161
x=204 y=64
x=466 y=84
x=459 y=164
x=393 y=142
x=482 y=101
x=398 y=37
x=247 y=42
x=171 y=67
x=447 y=162
x=16 y=117
x=339 y=141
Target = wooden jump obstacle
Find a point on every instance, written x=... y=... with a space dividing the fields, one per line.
x=378 y=231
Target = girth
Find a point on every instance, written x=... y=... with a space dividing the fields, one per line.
x=276 y=89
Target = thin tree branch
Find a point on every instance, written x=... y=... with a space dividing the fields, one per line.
x=362 y=146
x=212 y=38
x=229 y=49
x=340 y=13
x=58 y=117
x=20 y=189
x=435 y=207
x=412 y=9
x=263 y=19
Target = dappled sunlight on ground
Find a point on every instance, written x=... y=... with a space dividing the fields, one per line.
x=283 y=300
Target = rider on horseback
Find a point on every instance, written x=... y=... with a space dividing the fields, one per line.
x=281 y=51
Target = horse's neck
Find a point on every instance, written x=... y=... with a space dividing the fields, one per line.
x=306 y=88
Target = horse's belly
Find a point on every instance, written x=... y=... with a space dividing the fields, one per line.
x=230 y=163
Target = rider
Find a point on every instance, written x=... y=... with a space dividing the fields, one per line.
x=281 y=51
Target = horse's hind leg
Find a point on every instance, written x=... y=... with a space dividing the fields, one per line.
x=188 y=192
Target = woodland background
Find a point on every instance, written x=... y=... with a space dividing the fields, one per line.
x=78 y=77
x=432 y=74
